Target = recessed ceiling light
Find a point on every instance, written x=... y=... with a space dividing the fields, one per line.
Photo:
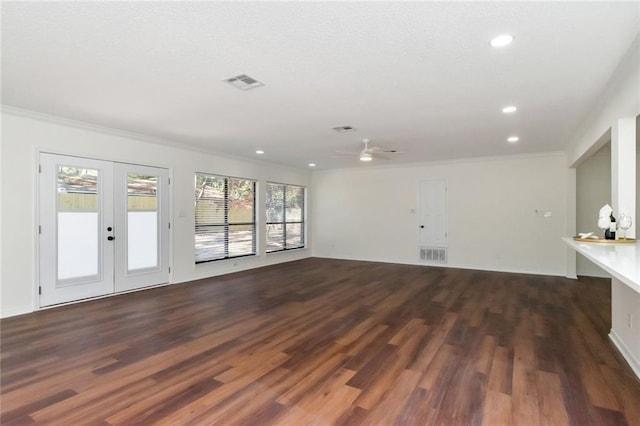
x=501 y=40
x=513 y=139
x=312 y=164
x=260 y=152
x=509 y=109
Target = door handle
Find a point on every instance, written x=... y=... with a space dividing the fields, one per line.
x=421 y=226
x=110 y=238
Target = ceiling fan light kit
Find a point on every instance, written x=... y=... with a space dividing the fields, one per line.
x=369 y=153
x=365 y=156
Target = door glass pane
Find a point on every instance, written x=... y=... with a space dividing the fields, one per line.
x=78 y=226
x=77 y=189
x=77 y=245
x=142 y=240
x=142 y=221
x=142 y=192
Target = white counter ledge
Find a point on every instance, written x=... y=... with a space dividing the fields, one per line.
x=621 y=260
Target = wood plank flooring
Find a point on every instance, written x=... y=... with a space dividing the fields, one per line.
x=324 y=342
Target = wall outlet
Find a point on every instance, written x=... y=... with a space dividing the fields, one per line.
x=542 y=213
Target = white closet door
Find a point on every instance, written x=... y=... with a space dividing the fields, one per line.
x=433 y=213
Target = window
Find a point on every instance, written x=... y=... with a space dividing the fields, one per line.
x=225 y=217
x=285 y=217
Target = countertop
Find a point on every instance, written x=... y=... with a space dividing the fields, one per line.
x=621 y=260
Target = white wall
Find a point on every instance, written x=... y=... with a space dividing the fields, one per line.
x=619 y=100
x=637 y=170
x=625 y=305
x=24 y=135
x=371 y=213
x=593 y=190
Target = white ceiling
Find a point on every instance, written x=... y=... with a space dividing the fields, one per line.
x=417 y=77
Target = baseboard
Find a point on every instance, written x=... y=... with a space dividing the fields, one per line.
x=625 y=352
x=505 y=269
x=241 y=264
x=451 y=265
x=15 y=311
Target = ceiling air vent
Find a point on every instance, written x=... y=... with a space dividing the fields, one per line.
x=344 y=129
x=244 y=82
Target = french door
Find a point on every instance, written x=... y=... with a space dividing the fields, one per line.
x=104 y=228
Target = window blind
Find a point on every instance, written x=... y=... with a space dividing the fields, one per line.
x=225 y=224
x=285 y=217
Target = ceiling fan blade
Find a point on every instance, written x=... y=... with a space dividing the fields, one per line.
x=380 y=150
x=379 y=156
x=348 y=152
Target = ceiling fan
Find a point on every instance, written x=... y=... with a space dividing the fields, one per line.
x=368 y=153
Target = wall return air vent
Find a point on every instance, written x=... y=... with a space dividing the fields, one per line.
x=433 y=255
x=244 y=82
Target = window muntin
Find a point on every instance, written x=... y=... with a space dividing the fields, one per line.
x=225 y=217
x=285 y=217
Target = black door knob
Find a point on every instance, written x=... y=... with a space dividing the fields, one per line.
x=110 y=238
x=109 y=229
x=421 y=226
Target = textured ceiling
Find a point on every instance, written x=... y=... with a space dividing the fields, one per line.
x=417 y=77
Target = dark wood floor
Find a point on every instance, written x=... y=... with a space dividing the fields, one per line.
x=325 y=342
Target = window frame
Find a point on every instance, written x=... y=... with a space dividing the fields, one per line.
x=284 y=222
x=227 y=224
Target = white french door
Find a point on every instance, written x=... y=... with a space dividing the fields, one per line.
x=104 y=228
x=141 y=204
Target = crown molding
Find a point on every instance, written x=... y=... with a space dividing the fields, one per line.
x=81 y=125
x=467 y=160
